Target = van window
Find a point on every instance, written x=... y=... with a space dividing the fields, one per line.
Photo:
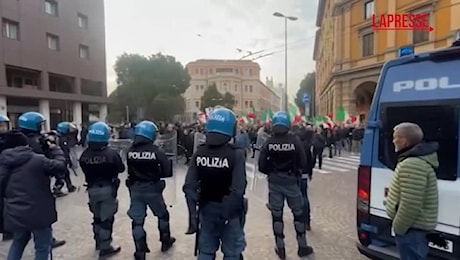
x=439 y=122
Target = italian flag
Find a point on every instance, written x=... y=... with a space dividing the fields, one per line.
x=328 y=122
x=267 y=116
x=243 y=120
x=252 y=113
x=294 y=113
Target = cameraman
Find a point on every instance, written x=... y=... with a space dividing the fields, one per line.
x=30 y=124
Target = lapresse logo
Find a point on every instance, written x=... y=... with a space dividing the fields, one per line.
x=424 y=84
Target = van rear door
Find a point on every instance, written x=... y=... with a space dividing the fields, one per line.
x=425 y=92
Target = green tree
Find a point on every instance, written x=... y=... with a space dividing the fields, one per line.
x=145 y=82
x=307 y=85
x=212 y=97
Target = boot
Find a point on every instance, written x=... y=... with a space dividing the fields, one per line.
x=281 y=252
x=57 y=243
x=304 y=251
x=139 y=256
x=192 y=226
x=112 y=250
x=167 y=244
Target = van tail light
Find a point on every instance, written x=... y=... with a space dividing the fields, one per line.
x=363 y=202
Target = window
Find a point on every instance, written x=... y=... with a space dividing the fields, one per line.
x=201 y=87
x=84 y=52
x=250 y=88
x=420 y=36
x=251 y=104
x=369 y=9
x=224 y=70
x=439 y=122
x=368 y=44
x=246 y=104
x=197 y=87
x=10 y=29
x=82 y=21
x=53 y=42
x=51 y=7
x=197 y=104
x=246 y=88
x=236 y=87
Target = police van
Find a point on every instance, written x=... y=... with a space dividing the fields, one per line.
x=424 y=89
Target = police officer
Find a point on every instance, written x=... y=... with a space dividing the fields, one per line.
x=283 y=159
x=4 y=128
x=216 y=179
x=101 y=166
x=63 y=128
x=30 y=124
x=147 y=165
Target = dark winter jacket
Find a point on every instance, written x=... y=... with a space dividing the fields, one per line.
x=25 y=185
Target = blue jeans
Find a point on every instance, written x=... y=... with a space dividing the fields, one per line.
x=215 y=231
x=42 y=240
x=413 y=245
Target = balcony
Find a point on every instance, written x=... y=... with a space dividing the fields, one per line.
x=23 y=78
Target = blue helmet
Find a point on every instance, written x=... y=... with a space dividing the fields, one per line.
x=281 y=118
x=31 y=121
x=63 y=127
x=222 y=121
x=4 y=119
x=98 y=132
x=147 y=129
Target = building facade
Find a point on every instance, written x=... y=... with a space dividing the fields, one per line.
x=52 y=59
x=349 y=53
x=241 y=78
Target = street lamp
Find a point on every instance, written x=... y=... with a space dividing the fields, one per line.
x=286 y=18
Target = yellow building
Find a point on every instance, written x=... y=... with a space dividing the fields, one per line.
x=349 y=53
x=241 y=78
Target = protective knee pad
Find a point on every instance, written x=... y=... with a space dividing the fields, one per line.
x=299 y=227
x=278 y=229
x=107 y=224
x=96 y=221
x=137 y=223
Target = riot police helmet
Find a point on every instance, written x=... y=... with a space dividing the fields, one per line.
x=98 y=132
x=63 y=128
x=220 y=126
x=31 y=121
x=281 y=122
x=146 y=129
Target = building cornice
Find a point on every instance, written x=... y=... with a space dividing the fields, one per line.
x=320 y=12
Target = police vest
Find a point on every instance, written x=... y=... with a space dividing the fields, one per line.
x=282 y=152
x=142 y=162
x=214 y=168
x=99 y=164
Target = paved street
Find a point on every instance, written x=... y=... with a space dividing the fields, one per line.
x=333 y=232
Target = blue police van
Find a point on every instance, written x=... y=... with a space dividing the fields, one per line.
x=424 y=89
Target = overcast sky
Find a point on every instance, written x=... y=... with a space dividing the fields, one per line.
x=214 y=29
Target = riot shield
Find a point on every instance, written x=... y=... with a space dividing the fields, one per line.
x=121 y=146
x=168 y=144
x=257 y=181
x=262 y=137
x=198 y=139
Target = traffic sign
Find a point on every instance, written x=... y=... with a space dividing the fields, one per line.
x=306 y=98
